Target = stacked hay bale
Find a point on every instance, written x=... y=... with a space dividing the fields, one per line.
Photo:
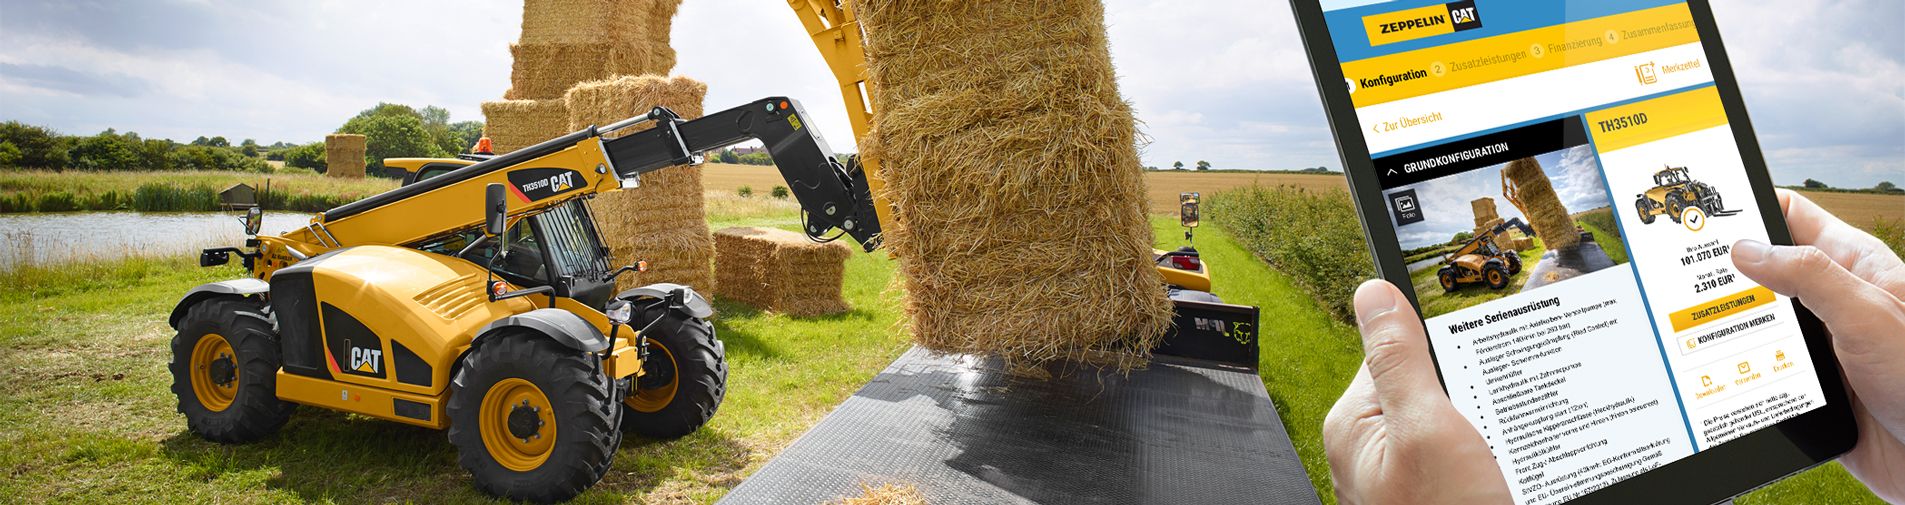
x=780 y=270
x=1546 y=213
x=344 y=155
x=566 y=42
x=662 y=221
x=1484 y=211
x=1010 y=160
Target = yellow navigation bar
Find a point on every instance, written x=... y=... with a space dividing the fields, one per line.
x=1647 y=121
x=1462 y=64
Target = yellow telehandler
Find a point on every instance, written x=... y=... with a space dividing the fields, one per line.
x=480 y=299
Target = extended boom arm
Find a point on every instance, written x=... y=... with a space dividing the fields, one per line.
x=831 y=195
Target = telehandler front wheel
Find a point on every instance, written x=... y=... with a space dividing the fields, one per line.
x=224 y=372
x=531 y=419
x=684 y=380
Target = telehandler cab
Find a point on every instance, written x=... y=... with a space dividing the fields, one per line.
x=480 y=299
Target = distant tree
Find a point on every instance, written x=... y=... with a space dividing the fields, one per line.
x=465 y=133
x=201 y=141
x=1461 y=237
x=309 y=156
x=1886 y=187
x=39 y=147
x=755 y=159
x=9 y=155
x=107 y=151
x=744 y=191
x=1177 y=165
x=779 y=193
x=393 y=131
x=250 y=151
x=1812 y=184
x=218 y=141
x=727 y=156
x=1203 y=165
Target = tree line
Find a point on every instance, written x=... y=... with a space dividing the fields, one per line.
x=391 y=131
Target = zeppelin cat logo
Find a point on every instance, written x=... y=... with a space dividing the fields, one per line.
x=1411 y=24
x=370 y=361
x=538 y=183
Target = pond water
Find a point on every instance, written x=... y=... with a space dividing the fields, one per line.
x=52 y=238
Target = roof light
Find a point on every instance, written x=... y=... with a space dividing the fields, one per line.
x=482 y=147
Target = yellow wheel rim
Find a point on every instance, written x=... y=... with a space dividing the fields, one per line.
x=525 y=444
x=213 y=354
x=1495 y=277
x=655 y=399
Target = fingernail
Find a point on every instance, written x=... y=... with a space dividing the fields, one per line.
x=1373 y=302
x=1750 y=251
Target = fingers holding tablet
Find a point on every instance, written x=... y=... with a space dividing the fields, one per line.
x=1394 y=437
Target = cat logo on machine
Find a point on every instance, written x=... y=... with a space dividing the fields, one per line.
x=535 y=184
x=370 y=361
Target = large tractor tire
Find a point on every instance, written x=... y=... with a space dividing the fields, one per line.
x=1446 y=277
x=531 y=419
x=225 y=372
x=1495 y=275
x=684 y=379
x=1675 y=206
x=1514 y=263
x=1646 y=210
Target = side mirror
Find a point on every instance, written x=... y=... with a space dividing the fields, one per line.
x=495 y=209
x=254 y=220
x=1187 y=209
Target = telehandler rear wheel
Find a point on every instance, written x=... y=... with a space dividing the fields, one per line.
x=685 y=378
x=531 y=419
x=224 y=372
x=1496 y=276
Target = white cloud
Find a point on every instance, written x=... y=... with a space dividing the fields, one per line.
x=1218 y=80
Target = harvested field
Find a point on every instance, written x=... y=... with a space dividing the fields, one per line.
x=516 y=124
x=780 y=271
x=1546 y=214
x=664 y=220
x=344 y=155
x=1025 y=238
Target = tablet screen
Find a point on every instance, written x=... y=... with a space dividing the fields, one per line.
x=1564 y=188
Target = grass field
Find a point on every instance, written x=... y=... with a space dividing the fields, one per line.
x=90 y=418
x=46 y=191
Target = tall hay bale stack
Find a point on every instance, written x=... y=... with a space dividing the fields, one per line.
x=1547 y=214
x=664 y=220
x=780 y=270
x=344 y=155
x=515 y=124
x=566 y=42
x=1011 y=163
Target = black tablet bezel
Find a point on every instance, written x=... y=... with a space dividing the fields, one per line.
x=1712 y=475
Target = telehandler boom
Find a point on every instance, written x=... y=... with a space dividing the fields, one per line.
x=479 y=300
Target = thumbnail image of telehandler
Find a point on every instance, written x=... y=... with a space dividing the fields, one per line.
x=1482 y=260
x=1674 y=192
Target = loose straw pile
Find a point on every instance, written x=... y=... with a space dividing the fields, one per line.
x=780 y=270
x=1011 y=163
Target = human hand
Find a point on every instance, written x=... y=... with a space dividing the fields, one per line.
x=1853 y=283
x=1394 y=437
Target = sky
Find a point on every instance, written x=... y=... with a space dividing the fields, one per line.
x=1446 y=210
x=1224 y=81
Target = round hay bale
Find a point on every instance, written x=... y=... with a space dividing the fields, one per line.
x=344 y=155
x=515 y=124
x=1010 y=160
x=1546 y=213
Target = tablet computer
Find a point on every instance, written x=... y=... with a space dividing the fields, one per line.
x=1556 y=184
